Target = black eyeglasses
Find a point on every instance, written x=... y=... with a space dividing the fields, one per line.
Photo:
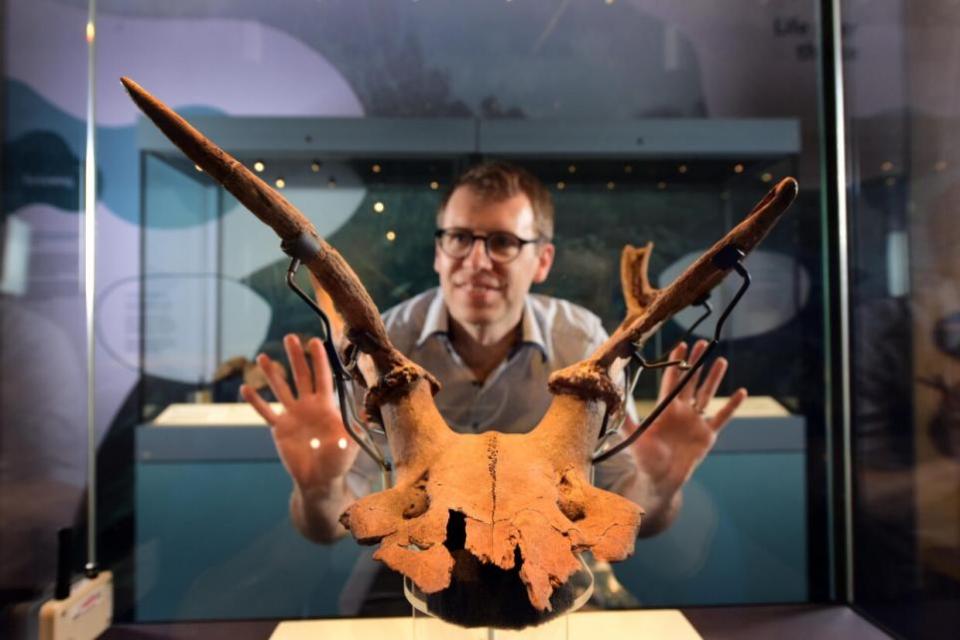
x=501 y=246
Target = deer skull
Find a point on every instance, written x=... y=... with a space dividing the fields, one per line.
x=521 y=503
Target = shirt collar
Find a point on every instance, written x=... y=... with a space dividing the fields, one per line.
x=531 y=332
x=437 y=322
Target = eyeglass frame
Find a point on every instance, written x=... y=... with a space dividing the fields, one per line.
x=440 y=233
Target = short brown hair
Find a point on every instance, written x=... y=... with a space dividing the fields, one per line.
x=497 y=181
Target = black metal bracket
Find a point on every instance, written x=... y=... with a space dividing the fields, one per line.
x=341 y=378
x=730 y=257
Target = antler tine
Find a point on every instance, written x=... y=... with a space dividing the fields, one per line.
x=634 y=281
x=295 y=230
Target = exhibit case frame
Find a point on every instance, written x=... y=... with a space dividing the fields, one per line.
x=828 y=503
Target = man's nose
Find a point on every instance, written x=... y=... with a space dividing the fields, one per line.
x=478 y=258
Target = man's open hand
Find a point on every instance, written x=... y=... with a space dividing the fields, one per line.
x=310 y=437
x=678 y=440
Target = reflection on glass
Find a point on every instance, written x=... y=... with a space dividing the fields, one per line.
x=905 y=284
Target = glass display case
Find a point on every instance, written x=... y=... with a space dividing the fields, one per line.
x=691 y=182
x=833 y=487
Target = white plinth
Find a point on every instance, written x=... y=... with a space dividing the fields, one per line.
x=590 y=625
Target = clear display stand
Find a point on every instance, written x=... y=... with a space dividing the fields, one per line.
x=480 y=614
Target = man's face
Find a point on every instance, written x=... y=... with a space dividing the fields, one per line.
x=477 y=290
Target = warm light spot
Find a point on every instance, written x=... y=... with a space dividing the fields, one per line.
x=572 y=168
x=611 y=185
x=198 y=168
x=766 y=177
x=315 y=443
x=628 y=168
x=258 y=166
x=315 y=166
x=682 y=168
x=738 y=168
x=91 y=32
x=561 y=185
x=887 y=166
x=280 y=182
x=379 y=207
x=342 y=443
x=391 y=235
x=609 y=2
x=661 y=185
x=376 y=168
x=940 y=165
x=434 y=185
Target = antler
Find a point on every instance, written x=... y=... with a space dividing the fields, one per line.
x=397 y=374
x=648 y=308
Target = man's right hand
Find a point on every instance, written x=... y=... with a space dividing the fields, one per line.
x=309 y=435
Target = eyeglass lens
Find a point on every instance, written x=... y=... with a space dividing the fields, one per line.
x=500 y=245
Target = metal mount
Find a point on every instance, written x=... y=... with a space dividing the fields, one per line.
x=341 y=376
x=730 y=257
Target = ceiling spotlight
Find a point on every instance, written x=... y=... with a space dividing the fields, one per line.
x=315 y=166
x=661 y=185
x=379 y=207
x=682 y=168
x=258 y=166
x=281 y=183
x=391 y=236
x=887 y=166
x=376 y=168
x=434 y=185
x=561 y=185
x=628 y=168
x=572 y=168
x=767 y=177
x=611 y=185
x=738 y=168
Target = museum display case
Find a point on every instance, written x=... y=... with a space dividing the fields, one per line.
x=834 y=485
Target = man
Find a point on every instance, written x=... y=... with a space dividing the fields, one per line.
x=492 y=345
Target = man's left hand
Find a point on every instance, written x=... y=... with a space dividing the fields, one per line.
x=679 y=439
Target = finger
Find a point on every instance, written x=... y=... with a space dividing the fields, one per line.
x=322 y=377
x=723 y=416
x=258 y=403
x=277 y=384
x=695 y=354
x=672 y=374
x=298 y=363
x=709 y=387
